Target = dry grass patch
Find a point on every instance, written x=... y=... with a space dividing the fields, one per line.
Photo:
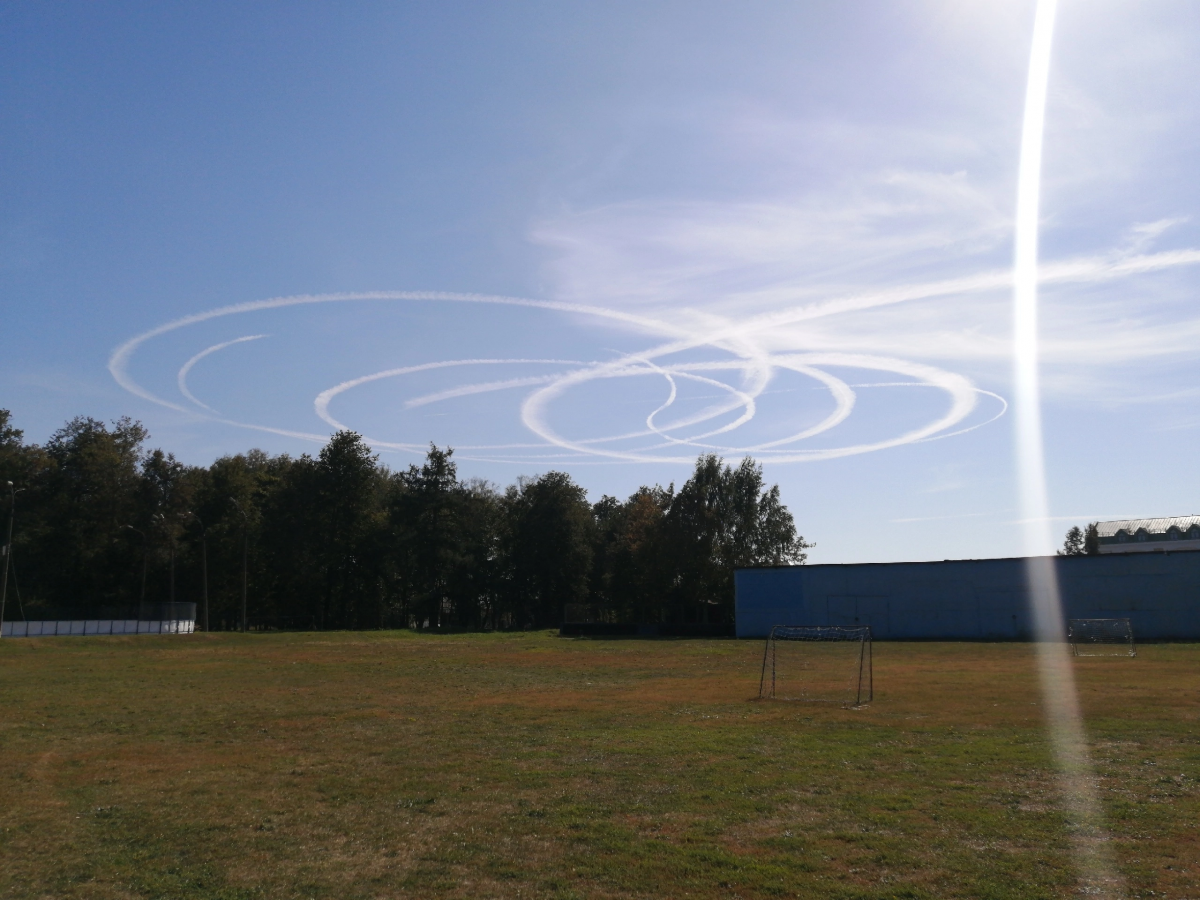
x=396 y=765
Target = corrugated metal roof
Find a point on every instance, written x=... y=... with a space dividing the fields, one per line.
x=1152 y=526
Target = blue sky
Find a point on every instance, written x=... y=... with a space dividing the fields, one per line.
x=605 y=237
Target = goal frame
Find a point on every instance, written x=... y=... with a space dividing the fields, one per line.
x=1076 y=627
x=860 y=634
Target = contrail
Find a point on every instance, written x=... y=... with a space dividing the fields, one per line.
x=744 y=340
x=740 y=400
x=963 y=397
x=1063 y=718
x=948 y=434
x=118 y=363
x=470 y=390
x=181 y=378
x=1077 y=270
x=842 y=393
x=323 y=399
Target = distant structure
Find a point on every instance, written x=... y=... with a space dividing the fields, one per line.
x=153 y=618
x=976 y=599
x=1149 y=535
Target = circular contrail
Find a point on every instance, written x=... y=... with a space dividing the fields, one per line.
x=749 y=348
x=186 y=368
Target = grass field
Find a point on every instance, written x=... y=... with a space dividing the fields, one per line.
x=389 y=764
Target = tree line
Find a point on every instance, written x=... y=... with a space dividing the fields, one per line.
x=339 y=540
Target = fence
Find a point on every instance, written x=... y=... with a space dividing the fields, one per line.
x=97 y=626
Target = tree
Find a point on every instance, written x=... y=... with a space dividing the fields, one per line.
x=251 y=483
x=608 y=515
x=86 y=565
x=346 y=480
x=9 y=436
x=338 y=541
x=694 y=526
x=476 y=582
x=723 y=518
x=636 y=571
x=1073 y=544
x=425 y=521
x=164 y=494
x=1082 y=541
x=548 y=544
x=17 y=462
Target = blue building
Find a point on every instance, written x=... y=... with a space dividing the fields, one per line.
x=973 y=599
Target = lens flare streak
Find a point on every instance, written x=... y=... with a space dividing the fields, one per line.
x=1077 y=782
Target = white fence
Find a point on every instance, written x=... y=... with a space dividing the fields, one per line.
x=97 y=626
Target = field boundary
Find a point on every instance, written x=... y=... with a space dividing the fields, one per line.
x=82 y=627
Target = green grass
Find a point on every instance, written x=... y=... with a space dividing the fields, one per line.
x=394 y=765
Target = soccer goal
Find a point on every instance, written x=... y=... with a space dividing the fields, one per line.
x=1101 y=637
x=819 y=664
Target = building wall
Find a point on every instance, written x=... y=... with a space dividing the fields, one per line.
x=1152 y=546
x=972 y=599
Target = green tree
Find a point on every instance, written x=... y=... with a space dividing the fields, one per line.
x=723 y=518
x=252 y=483
x=1073 y=544
x=348 y=480
x=631 y=576
x=164 y=493
x=548 y=547
x=85 y=564
x=443 y=553
x=11 y=448
x=425 y=519
x=696 y=529
x=17 y=464
x=475 y=585
x=337 y=541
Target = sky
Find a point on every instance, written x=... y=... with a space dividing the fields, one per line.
x=606 y=238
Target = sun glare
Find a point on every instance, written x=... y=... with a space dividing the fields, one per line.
x=1060 y=696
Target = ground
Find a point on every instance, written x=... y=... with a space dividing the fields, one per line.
x=388 y=764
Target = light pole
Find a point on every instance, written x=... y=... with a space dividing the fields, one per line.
x=145 y=552
x=162 y=520
x=12 y=508
x=203 y=564
x=245 y=545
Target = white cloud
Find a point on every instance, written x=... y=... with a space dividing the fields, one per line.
x=728 y=255
x=844 y=271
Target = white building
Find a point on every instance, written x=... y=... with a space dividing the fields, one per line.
x=1149 y=535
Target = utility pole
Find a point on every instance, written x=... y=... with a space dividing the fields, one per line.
x=12 y=508
x=166 y=527
x=245 y=552
x=145 y=555
x=203 y=565
x=171 y=544
x=245 y=546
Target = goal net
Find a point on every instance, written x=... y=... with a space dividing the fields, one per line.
x=818 y=663
x=1101 y=637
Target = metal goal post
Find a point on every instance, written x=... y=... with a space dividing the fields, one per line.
x=818 y=664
